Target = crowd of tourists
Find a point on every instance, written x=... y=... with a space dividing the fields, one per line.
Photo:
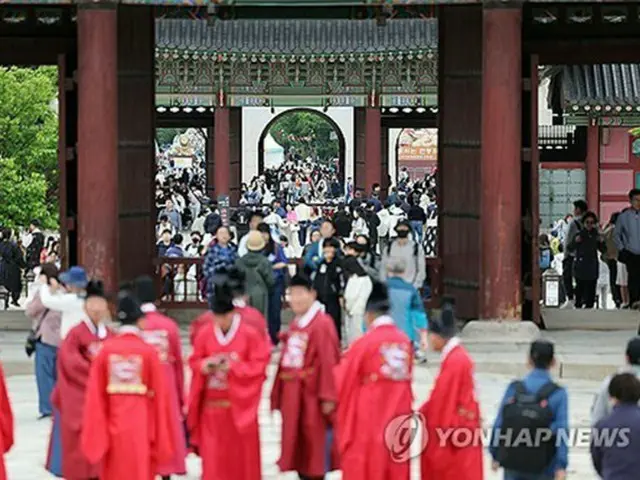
x=596 y=261
x=296 y=179
x=21 y=254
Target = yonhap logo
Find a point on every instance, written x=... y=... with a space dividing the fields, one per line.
x=402 y=433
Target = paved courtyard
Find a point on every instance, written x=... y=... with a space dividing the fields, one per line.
x=26 y=459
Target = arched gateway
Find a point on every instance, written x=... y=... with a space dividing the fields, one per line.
x=476 y=61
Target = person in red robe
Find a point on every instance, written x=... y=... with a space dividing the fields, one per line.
x=373 y=381
x=126 y=423
x=75 y=354
x=229 y=363
x=304 y=389
x=452 y=405
x=163 y=333
x=252 y=316
x=6 y=424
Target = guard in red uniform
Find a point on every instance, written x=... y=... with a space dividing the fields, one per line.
x=75 y=354
x=126 y=423
x=304 y=388
x=163 y=333
x=374 y=389
x=452 y=405
x=6 y=424
x=235 y=278
x=229 y=363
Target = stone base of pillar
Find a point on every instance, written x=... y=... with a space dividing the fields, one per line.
x=499 y=331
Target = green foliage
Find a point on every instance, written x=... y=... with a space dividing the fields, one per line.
x=309 y=133
x=165 y=136
x=24 y=195
x=28 y=146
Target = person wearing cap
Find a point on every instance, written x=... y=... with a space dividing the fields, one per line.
x=75 y=355
x=162 y=332
x=328 y=282
x=67 y=297
x=6 y=424
x=413 y=253
x=303 y=389
x=452 y=404
x=126 y=423
x=258 y=272
x=541 y=360
x=228 y=367
x=601 y=405
x=255 y=219
x=373 y=381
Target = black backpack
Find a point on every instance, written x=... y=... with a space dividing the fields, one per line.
x=525 y=443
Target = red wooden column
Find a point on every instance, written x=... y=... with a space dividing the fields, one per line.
x=372 y=148
x=227 y=153
x=500 y=287
x=593 y=168
x=97 y=142
x=221 y=152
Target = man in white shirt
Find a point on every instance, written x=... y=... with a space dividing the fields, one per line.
x=68 y=301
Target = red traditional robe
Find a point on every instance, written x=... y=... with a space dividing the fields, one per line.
x=223 y=406
x=6 y=424
x=374 y=387
x=452 y=405
x=252 y=316
x=303 y=381
x=75 y=354
x=163 y=333
x=126 y=419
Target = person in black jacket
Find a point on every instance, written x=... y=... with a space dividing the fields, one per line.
x=328 y=281
x=585 y=245
x=417 y=217
x=342 y=221
x=213 y=221
x=36 y=245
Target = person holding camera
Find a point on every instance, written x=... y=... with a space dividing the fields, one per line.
x=45 y=338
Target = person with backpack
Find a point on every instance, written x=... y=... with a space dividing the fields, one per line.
x=411 y=251
x=546 y=255
x=530 y=409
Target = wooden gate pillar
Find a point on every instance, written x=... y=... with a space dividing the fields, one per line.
x=97 y=141
x=593 y=169
x=500 y=287
x=373 y=148
x=368 y=149
x=227 y=153
x=136 y=140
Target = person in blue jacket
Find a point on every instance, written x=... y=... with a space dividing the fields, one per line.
x=407 y=309
x=541 y=360
x=314 y=256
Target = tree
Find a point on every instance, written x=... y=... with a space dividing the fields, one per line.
x=24 y=196
x=309 y=133
x=28 y=145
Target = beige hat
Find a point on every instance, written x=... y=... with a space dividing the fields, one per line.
x=255 y=242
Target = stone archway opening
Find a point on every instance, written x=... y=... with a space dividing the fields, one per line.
x=301 y=155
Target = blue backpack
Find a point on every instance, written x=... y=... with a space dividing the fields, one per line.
x=545 y=258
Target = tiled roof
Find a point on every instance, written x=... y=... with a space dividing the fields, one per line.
x=599 y=87
x=296 y=37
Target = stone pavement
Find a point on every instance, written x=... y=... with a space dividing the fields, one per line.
x=25 y=461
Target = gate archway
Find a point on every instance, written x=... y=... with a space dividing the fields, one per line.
x=340 y=138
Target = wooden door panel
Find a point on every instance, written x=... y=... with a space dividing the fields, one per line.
x=459 y=154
